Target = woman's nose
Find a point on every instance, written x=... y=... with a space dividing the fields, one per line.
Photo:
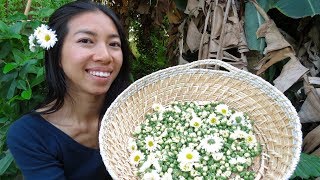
x=102 y=53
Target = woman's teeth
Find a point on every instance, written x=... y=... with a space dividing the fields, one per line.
x=99 y=73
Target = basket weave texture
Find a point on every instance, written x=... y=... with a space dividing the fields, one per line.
x=276 y=123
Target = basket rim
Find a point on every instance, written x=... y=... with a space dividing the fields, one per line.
x=272 y=92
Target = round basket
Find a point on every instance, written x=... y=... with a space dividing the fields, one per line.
x=276 y=125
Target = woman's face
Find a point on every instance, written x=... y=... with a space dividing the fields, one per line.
x=91 y=53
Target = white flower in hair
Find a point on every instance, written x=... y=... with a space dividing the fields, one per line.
x=32 y=46
x=47 y=38
x=44 y=37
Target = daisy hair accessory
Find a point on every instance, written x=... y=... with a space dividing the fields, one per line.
x=271 y=143
x=43 y=37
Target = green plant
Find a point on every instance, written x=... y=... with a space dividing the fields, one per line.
x=21 y=71
x=149 y=48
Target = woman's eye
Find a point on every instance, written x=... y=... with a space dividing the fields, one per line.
x=85 y=41
x=115 y=44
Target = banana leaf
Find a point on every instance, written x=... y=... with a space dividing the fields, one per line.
x=308 y=166
x=298 y=8
x=290 y=8
x=252 y=22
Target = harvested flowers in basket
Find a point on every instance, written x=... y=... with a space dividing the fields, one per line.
x=195 y=140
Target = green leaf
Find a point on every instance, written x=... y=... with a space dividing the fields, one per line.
x=11 y=89
x=308 y=166
x=28 y=67
x=26 y=94
x=181 y=4
x=5 y=162
x=9 y=66
x=3 y=27
x=17 y=16
x=252 y=22
x=3 y=120
x=22 y=85
x=5 y=48
x=298 y=8
x=18 y=55
x=16 y=27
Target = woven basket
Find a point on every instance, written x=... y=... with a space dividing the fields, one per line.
x=276 y=125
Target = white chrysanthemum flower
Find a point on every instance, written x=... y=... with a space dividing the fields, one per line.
x=217 y=156
x=136 y=157
x=167 y=176
x=132 y=145
x=227 y=173
x=194 y=173
x=195 y=122
x=153 y=175
x=188 y=155
x=158 y=107
x=223 y=109
x=237 y=118
x=238 y=134
x=198 y=178
x=211 y=143
x=151 y=143
x=186 y=167
x=40 y=29
x=32 y=40
x=251 y=140
x=137 y=130
x=241 y=160
x=233 y=161
x=47 y=38
x=213 y=119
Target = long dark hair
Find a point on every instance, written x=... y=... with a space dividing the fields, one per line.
x=55 y=76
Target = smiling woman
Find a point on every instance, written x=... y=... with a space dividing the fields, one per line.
x=86 y=69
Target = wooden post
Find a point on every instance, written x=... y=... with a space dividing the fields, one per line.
x=26 y=11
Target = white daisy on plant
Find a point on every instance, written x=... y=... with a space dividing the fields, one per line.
x=136 y=157
x=32 y=46
x=40 y=29
x=188 y=155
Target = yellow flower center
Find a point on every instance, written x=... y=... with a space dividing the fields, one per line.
x=213 y=120
x=189 y=156
x=196 y=124
x=150 y=143
x=224 y=111
x=47 y=37
x=249 y=139
x=136 y=158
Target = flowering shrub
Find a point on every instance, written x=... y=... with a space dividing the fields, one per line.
x=198 y=140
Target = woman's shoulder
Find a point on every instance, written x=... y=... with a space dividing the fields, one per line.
x=27 y=121
x=30 y=127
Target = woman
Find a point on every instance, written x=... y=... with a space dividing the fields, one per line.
x=85 y=71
